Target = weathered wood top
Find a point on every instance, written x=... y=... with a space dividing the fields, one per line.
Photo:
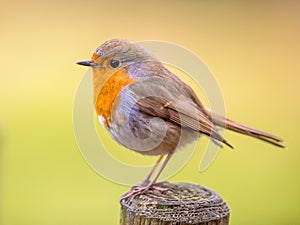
x=179 y=203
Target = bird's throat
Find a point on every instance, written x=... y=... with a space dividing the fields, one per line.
x=105 y=93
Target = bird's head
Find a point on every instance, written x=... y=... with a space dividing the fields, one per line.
x=112 y=64
x=117 y=53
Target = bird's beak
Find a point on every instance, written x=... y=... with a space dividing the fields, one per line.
x=88 y=63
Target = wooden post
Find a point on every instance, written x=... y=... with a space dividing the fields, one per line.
x=175 y=203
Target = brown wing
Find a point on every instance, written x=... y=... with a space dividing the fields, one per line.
x=221 y=121
x=188 y=116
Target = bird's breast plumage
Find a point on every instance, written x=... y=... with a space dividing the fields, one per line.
x=107 y=95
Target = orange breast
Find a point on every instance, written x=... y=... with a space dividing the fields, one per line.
x=108 y=93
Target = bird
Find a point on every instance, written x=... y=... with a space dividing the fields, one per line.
x=148 y=109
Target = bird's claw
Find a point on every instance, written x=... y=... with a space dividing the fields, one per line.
x=138 y=190
x=135 y=190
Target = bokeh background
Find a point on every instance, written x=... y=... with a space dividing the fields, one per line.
x=252 y=47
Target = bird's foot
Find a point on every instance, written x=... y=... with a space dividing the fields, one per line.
x=135 y=190
x=139 y=189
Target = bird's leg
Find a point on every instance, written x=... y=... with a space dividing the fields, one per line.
x=160 y=170
x=137 y=190
x=146 y=180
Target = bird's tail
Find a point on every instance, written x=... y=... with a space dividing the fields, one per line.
x=221 y=121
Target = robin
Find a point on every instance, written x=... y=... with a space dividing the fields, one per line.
x=148 y=109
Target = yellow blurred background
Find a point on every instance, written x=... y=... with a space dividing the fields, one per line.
x=252 y=47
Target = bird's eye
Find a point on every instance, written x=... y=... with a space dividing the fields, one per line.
x=114 y=63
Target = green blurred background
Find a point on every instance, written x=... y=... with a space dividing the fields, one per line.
x=252 y=47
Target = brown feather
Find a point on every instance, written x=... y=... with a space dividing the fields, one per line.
x=159 y=107
x=221 y=121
